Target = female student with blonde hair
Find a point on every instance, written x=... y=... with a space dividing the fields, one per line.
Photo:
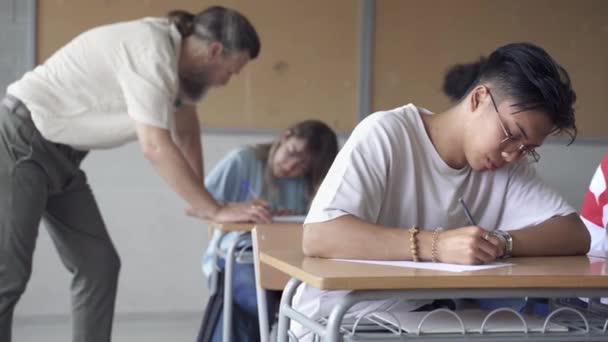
x=285 y=173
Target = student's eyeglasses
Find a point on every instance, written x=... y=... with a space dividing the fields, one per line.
x=512 y=144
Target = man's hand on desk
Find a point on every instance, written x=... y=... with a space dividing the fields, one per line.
x=470 y=245
x=251 y=211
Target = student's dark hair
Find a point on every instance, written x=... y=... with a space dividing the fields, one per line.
x=219 y=24
x=526 y=74
x=321 y=144
x=459 y=78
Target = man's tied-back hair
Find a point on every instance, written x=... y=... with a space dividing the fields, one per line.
x=219 y=24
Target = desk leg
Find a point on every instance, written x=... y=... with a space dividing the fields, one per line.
x=229 y=267
x=286 y=301
x=262 y=313
x=213 y=281
x=334 y=321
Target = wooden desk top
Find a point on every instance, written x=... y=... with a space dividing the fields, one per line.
x=545 y=272
x=244 y=226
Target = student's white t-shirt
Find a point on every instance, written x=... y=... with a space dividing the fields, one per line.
x=90 y=92
x=389 y=173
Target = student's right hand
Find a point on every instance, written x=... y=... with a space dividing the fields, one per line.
x=468 y=245
x=252 y=211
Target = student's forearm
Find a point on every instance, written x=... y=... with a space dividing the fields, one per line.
x=352 y=238
x=560 y=235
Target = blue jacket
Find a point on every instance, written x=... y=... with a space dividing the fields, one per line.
x=225 y=183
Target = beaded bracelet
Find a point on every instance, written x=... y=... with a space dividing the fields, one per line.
x=436 y=233
x=413 y=243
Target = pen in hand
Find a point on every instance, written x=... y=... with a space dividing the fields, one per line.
x=245 y=185
x=470 y=217
x=467 y=212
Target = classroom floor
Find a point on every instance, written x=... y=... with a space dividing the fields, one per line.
x=127 y=328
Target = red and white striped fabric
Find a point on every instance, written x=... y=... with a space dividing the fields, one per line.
x=594 y=211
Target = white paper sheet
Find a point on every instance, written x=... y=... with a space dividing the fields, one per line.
x=288 y=219
x=438 y=266
x=598 y=254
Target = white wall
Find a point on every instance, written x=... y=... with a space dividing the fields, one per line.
x=570 y=168
x=161 y=248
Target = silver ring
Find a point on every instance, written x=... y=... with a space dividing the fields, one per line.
x=487 y=236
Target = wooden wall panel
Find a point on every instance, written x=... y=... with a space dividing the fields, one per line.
x=417 y=40
x=307 y=67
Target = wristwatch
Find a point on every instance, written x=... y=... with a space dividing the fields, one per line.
x=508 y=240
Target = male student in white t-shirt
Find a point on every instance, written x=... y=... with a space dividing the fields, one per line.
x=400 y=176
x=137 y=80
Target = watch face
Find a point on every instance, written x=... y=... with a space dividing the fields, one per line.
x=506 y=237
x=509 y=245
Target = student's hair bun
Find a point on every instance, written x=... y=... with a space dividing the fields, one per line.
x=461 y=77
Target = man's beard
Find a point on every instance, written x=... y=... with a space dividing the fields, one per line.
x=193 y=88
